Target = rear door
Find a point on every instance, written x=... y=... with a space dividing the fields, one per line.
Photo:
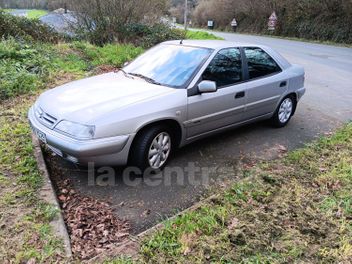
x=210 y=111
x=266 y=82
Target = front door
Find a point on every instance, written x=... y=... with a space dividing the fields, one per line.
x=210 y=111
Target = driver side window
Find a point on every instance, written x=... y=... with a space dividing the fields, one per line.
x=225 y=69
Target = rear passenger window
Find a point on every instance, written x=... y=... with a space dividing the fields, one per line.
x=260 y=63
x=225 y=69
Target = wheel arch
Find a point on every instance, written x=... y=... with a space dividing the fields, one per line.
x=170 y=123
x=295 y=98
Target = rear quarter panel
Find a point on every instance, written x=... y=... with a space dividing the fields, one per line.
x=296 y=80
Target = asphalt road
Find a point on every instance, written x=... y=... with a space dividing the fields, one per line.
x=326 y=105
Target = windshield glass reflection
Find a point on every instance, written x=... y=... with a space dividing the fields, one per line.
x=169 y=65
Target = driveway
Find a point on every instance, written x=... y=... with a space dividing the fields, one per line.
x=327 y=104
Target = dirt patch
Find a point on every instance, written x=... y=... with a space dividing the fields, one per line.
x=105 y=69
x=92 y=225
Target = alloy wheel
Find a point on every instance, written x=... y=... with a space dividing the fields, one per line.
x=159 y=150
x=285 y=110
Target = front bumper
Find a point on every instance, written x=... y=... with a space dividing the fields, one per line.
x=104 y=151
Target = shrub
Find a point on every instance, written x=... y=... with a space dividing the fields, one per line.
x=25 y=29
x=148 y=36
x=23 y=67
x=138 y=34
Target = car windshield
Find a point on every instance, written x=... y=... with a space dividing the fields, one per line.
x=170 y=65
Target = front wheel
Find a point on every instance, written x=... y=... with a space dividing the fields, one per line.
x=152 y=148
x=284 y=112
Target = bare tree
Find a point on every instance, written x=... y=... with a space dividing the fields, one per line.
x=38 y=4
x=107 y=20
x=323 y=19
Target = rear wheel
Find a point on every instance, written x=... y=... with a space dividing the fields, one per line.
x=152 y=148
x=284 y=112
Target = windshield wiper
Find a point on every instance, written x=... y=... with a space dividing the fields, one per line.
x=150 y=80
x=124 y=73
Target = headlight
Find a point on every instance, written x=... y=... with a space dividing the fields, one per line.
x=76 y=130
x=37 y=110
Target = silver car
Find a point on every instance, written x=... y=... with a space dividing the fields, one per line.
x=172 y=95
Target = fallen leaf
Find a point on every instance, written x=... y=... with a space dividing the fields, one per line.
x=233 y=223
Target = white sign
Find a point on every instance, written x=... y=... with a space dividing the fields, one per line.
x=210 y=23
x=234 y=23
x=272 y=21
x=273 y=16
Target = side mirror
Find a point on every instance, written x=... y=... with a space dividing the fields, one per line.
x=207 y=87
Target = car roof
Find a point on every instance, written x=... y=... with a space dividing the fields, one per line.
x=223 y=44
x=212 y=44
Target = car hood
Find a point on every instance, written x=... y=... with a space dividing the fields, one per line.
x=85 y=100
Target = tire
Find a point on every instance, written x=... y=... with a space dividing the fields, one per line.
x=284 y=112
x=147 y=143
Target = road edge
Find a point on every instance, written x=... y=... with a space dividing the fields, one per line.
x=47 y=193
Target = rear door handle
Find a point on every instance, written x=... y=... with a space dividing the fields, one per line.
x=239 y=95
x=283 y=84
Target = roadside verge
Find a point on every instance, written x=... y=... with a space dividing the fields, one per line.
x=47 y=193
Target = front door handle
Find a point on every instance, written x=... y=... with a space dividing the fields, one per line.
x=283 y=84
x=239 y=95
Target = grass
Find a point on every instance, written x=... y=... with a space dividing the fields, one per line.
x=36 y=13
x=32 y=13
x=24 y=219
x=201 y=35
x=27 y=69
x=294 y=210
x=111 y=54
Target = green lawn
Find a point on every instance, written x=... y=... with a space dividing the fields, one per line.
x=201 y=35
x=36 y=13
x=32 y=13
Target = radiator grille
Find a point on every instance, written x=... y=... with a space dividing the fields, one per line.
x=45 y=118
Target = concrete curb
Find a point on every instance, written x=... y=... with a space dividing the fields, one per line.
x=47 y=193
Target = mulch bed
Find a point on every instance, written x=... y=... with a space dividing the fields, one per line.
x=93 y=227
